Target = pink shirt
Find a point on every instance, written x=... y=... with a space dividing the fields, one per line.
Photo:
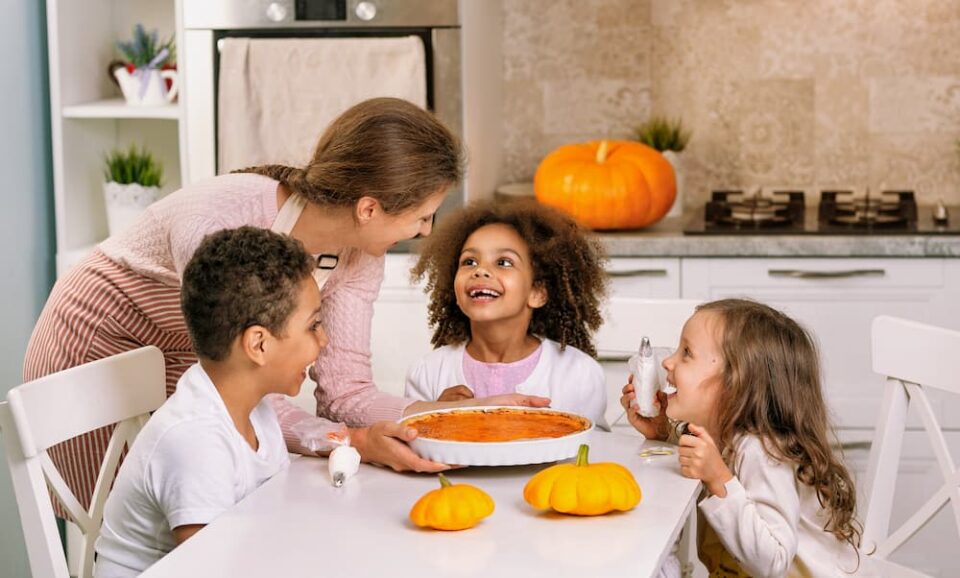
x=167 y=235
x=486 y=379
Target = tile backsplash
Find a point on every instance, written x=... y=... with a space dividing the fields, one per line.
x=814 y=93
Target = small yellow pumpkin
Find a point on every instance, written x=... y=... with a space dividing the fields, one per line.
x=582 y=488
x=451 y=507
x=607 y=184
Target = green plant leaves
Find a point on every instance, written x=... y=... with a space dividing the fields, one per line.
x=663 y=134
x=144 y=47
x=135 y=165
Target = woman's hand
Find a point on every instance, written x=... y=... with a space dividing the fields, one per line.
x=652 y=428
x=385 y=443
x=456 y=393
x=700 y=459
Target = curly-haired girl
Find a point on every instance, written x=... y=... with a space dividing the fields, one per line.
x=748 y=385
x=515 y=291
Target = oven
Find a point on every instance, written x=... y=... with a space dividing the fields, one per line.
x=461 y=60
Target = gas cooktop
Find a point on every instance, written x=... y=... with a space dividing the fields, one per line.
x=839 y=212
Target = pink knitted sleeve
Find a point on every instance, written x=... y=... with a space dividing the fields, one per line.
x=346 y=391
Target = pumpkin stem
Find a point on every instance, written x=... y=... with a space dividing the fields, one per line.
x=602 y=152
x=582 y=454
x=444 y=482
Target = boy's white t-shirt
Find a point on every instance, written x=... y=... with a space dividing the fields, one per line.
x=573 y=380
x=187 y=466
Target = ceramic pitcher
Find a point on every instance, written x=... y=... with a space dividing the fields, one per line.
x=146 y=87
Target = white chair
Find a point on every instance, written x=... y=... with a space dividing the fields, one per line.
x=37 y=415
x=626 y=321
x=915 y=358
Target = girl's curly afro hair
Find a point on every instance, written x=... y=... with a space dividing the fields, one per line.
x=566 y=262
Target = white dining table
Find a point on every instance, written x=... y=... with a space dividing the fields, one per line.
x=299 y=524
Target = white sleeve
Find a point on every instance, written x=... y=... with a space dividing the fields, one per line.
x=191 y=473
x=417 y=384
x=757 y=520
x=593 y=392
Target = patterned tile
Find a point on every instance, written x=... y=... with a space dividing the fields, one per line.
x=814 y=93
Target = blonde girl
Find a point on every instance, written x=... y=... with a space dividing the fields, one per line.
x=778 y=501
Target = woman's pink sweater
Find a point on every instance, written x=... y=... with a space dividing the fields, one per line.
x=166 y=238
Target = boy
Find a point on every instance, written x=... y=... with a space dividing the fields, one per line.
x=253 y=312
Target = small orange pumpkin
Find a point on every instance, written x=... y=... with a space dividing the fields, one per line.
x=607 y=184
x=451 y=507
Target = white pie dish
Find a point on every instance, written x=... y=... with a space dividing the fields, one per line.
x=506 y=453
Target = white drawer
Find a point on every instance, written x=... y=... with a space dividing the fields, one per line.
x=811 y=274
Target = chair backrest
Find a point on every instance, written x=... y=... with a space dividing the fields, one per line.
x=626 y=321
x=914 y=358
x=124 y=388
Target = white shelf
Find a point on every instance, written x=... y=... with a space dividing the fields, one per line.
x=118 y=108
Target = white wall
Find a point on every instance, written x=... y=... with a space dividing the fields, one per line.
x=26 y=220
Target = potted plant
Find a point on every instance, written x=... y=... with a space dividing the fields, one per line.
x=147 y=74
x=670 y=138
x=133 y=179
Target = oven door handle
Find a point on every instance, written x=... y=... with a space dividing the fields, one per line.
x=841 y=274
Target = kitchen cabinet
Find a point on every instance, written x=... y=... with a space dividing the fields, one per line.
x=837 y=299
x=88 y=117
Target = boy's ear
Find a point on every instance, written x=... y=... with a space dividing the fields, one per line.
x=253 y=343
x=366 y=209
x=538 y=297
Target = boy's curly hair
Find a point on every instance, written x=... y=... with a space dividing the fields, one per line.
x=238 y=278
x=566 y=263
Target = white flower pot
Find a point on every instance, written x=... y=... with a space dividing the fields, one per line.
x=676 y=161
x=125 y=203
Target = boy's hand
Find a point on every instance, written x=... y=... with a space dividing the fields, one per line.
x=652 y=428
x=385 y=443
x=700 y=459
x=456 y=393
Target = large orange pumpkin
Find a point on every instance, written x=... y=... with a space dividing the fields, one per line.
x=607 y=184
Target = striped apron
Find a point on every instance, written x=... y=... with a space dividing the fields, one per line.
x=101 y=308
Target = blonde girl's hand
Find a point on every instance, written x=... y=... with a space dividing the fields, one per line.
x=700 y=459
x=652 y=428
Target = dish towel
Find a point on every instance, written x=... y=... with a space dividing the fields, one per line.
x=277 y=96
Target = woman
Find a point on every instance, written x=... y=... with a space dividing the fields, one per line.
x=378 y=175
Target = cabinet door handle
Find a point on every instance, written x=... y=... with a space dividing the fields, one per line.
x=613 y=358
x=638 y=273
x=851 y=446
x=842 y=274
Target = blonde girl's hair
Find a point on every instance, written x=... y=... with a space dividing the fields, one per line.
x=385 y=148
x=773 y=390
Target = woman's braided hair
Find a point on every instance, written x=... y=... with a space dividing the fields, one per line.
x=385 y=148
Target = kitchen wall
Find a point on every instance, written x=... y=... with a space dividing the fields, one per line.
x=815 y=93
x=26 y=222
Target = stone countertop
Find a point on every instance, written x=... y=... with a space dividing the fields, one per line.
x=666 y=239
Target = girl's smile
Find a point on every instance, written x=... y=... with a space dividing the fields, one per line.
x=695 y=370
x=495 y=277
